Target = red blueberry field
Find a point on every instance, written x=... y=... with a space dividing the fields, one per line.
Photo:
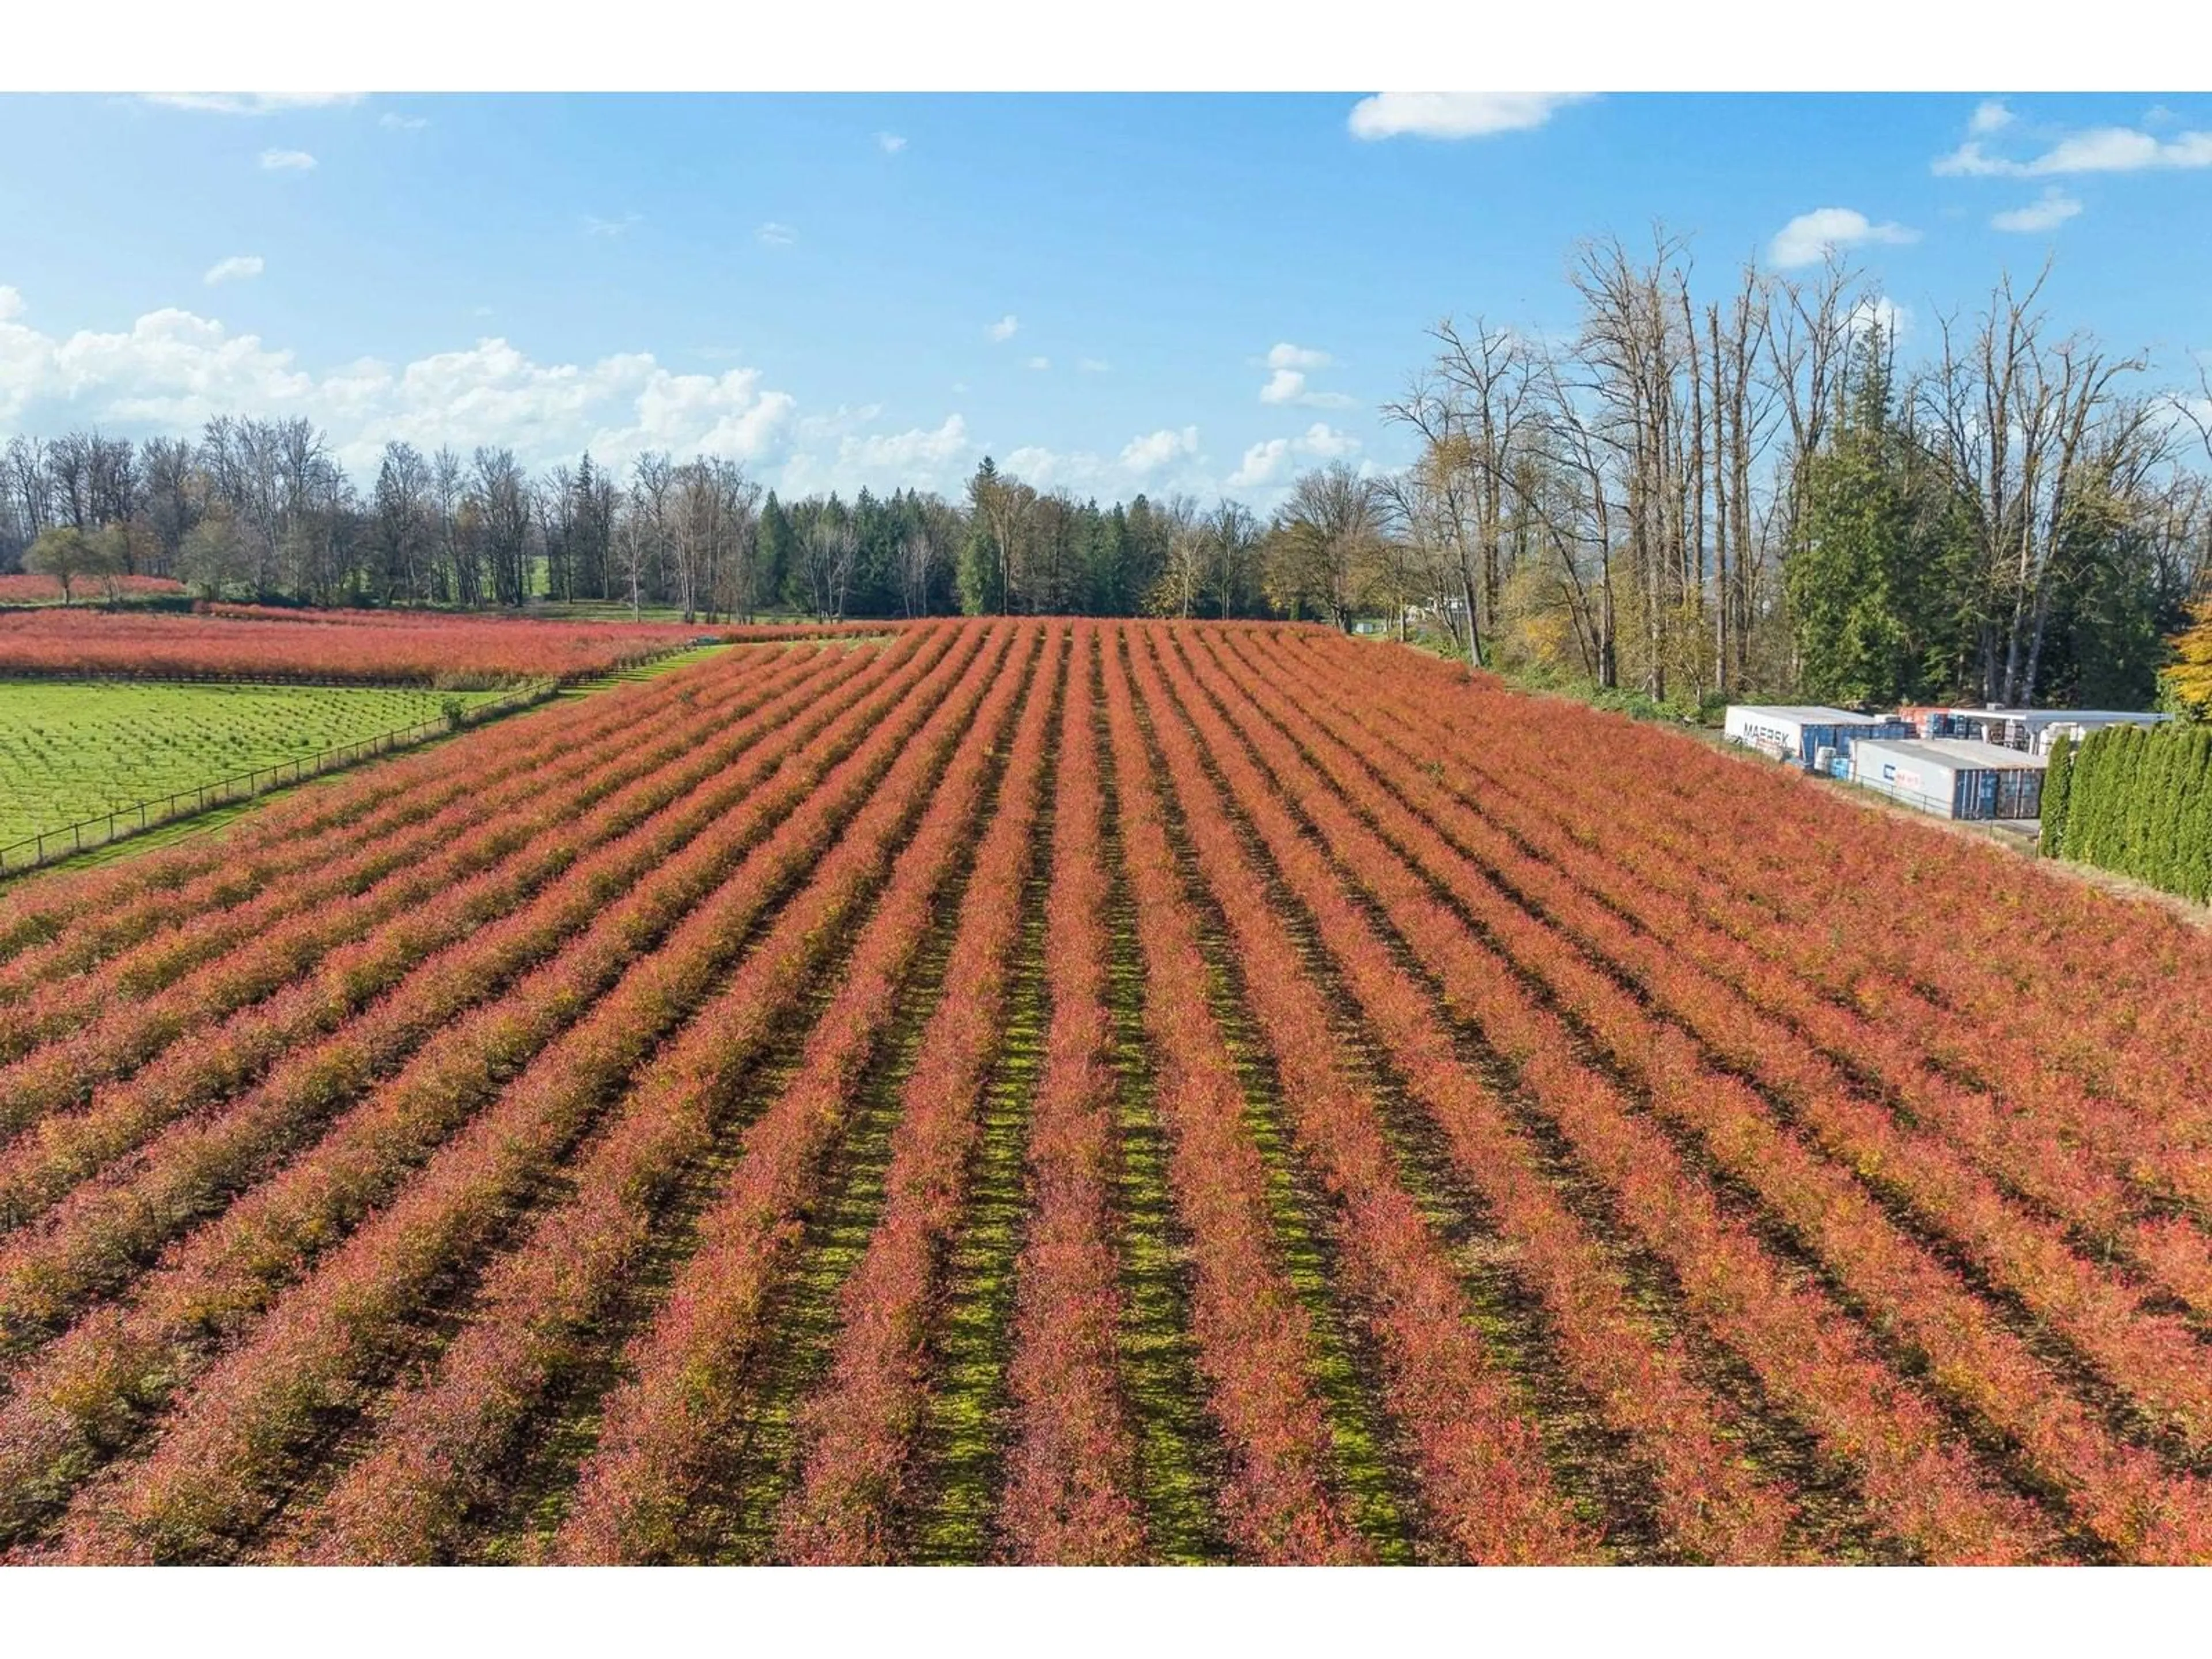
x=1073 y=1092
x=258 y=642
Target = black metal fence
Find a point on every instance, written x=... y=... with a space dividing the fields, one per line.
x=123 y=822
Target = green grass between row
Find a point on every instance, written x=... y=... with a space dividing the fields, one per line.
x=71 y=750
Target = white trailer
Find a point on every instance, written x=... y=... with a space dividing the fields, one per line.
x=1799 y=731
x=2032 y=730
x=1953 y=777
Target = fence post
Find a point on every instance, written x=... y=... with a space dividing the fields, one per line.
x=247 y=785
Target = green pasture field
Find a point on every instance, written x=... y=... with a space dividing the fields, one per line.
x=76 y=749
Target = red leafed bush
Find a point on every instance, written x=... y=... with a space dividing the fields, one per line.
x=1255 y=1338
x=633 y=960
x=859 y=1428
x=1071 y=1472
x=446 y=1438
x=245 y=642
x=1711 y=1508
x=1461 y=1125
x=107 y=1223
x=30 y=588
x=207 y=1476
x=61 y=924
x=2119 y=1491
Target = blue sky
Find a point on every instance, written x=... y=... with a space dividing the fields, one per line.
x=820 y=286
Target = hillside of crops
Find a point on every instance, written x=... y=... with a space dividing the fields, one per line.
x=70 y=750
x=441 y=650
x=1073 y=1091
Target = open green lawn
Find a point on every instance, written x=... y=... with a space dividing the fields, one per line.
x=70 y=750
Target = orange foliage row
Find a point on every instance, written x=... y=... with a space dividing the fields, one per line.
x=243 y=642
x=209 y=1476
x=1071 y=1472
x=447 y=1439
x=28 y=588
x=545 y=1048
x=108 y=1224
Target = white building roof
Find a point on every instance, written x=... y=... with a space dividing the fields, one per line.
x=2059 y=716
x=1957 y=754
x=1810 y=714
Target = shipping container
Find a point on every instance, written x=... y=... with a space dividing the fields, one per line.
x=1953 y=777
x=2031 y=730
x=1800 y=733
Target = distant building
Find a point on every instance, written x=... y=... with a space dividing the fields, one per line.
x=1800 y=731
x=1953 y=777
x=2032 y=730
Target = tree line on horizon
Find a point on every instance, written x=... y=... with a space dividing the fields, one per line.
x=261 y=509
x=1691 y=497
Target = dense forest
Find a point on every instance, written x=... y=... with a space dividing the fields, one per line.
x=1693 y=496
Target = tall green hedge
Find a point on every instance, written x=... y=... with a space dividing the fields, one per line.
x=2136 y=799
x=2058 y=791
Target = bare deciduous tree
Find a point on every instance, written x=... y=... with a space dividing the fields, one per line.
x=1324 y=543
x=2015 y=417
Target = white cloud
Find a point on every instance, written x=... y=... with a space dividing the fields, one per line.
x=1155 y=450
x=1990 y=116
x=1970 y=159
x=595 y=226
x=402 y=122
x=2121 y=149
x=1286 y=382
x=1167 y=459
x=1261 y=462
x=890 y=143
x=2047 y=212
x=1326 y=443
x=2098 y=150
x=1038 y=364
x=238 y=266
x=725 y=414
x=1047 y=469
x=1004 y=328
x=287 y=160
x=1454 y=114
x=776 y=235
x=916 y=447
x=1093 y=366
x=249 y=103
x=173 y=370
x=1264 y=462
x=839 y=421
x=923 y=458
x=1808 y=239
x=169 y=368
